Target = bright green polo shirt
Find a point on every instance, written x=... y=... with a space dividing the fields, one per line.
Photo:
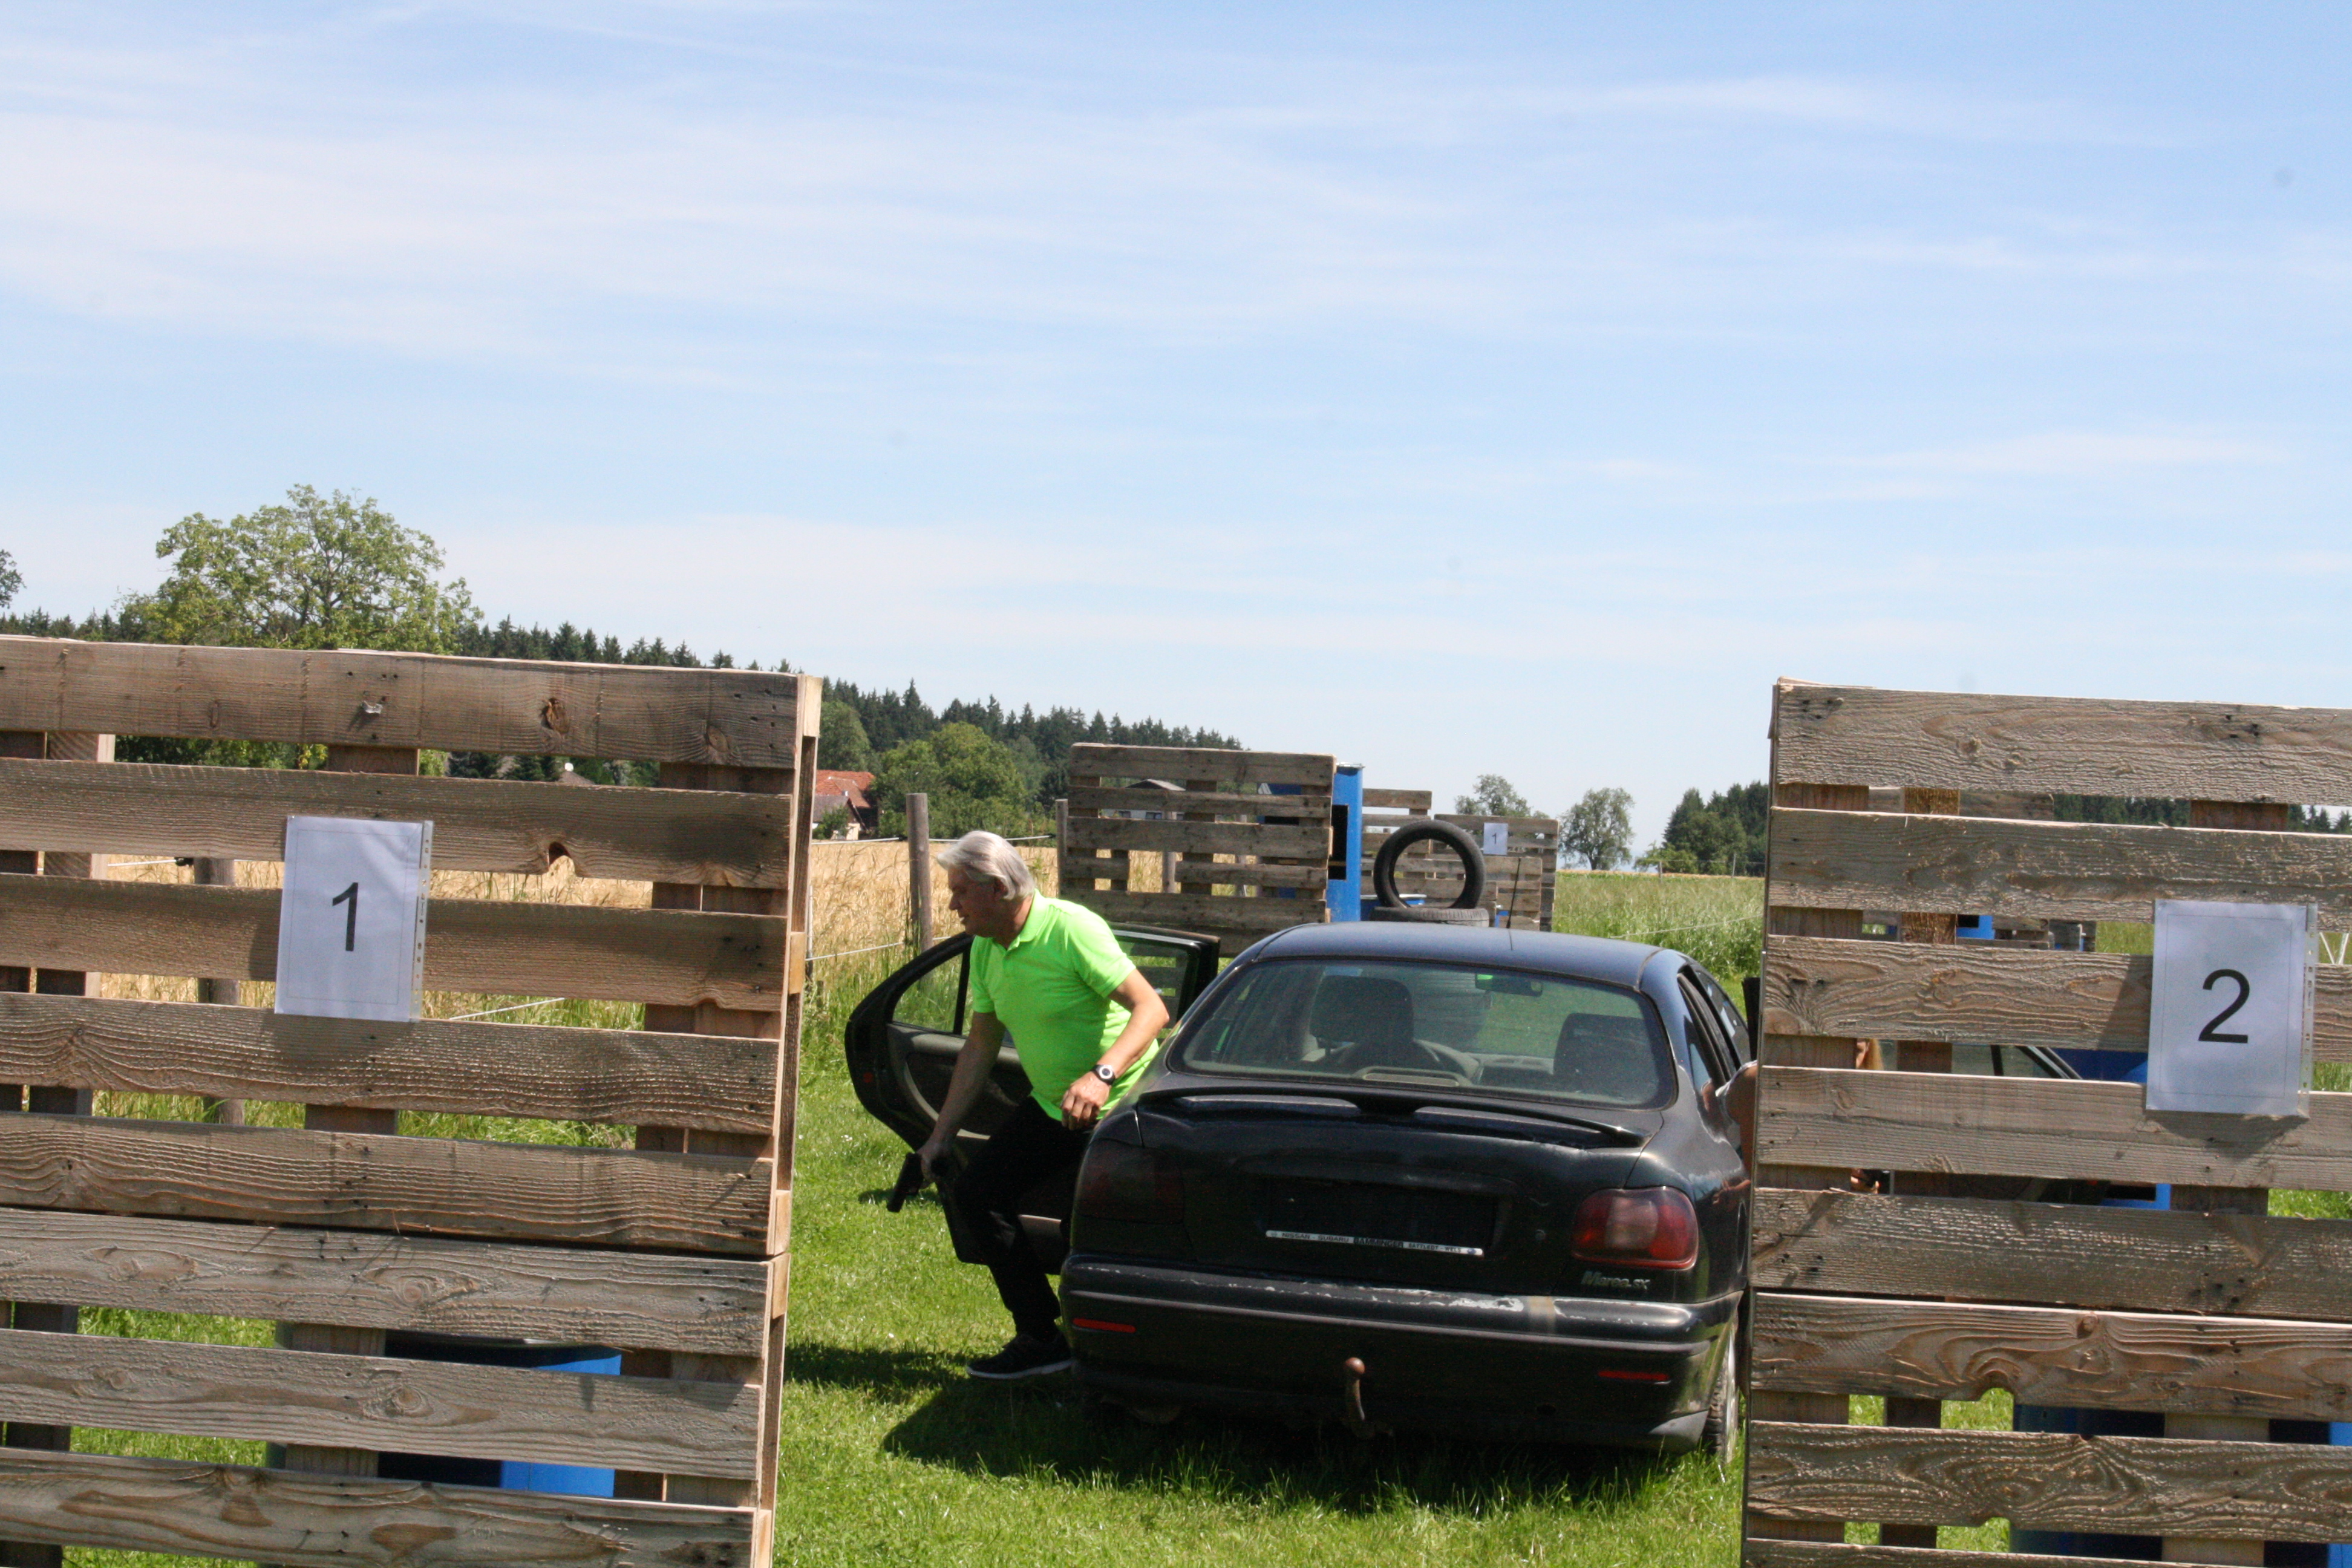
x=1051 y=989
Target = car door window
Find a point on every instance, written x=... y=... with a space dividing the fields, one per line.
x=934 y=1005
x=1166 y=963
x=1708 y=1054
x=1737 y=1029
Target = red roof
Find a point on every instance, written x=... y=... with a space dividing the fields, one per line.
x=853 y=787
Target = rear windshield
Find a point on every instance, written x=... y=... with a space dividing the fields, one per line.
x=1436 y=1025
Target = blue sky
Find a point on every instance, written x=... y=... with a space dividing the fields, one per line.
x=1457 y=389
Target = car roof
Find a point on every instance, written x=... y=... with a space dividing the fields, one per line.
x=1601 y=958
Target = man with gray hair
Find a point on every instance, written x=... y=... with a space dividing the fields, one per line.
x=1051 y=974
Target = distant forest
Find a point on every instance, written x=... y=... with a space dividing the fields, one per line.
x=860 y=725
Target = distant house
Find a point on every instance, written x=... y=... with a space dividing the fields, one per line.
x=838 y=789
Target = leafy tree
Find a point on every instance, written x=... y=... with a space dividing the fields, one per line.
x=10 y=579
x=318 y=571
x=1722 y=833
x=841 y=741
x=1493 y=796
x=973 y=780
x=1599 y=828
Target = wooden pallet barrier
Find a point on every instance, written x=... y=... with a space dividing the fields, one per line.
x=1248 y=861
x=343 y=1229
x=1961 y=1273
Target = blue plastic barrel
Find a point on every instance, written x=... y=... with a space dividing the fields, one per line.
x=513 y=1475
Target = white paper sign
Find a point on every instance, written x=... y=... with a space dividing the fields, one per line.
x=350 y=924
x=2230 y=1019
x=1497 y=839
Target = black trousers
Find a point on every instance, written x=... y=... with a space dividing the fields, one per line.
x=1030 y=1147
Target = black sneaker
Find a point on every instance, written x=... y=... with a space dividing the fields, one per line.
x=1026 y=1355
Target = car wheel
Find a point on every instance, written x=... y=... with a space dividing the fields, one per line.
x=1473 y=859
x=1721 y=1434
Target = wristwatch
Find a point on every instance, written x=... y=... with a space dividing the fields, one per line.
x=1105 y=1073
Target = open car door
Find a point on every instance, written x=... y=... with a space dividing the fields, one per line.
x=903 y=1039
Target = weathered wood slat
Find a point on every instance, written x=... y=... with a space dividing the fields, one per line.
x=1417 y=801
x=1096 y=797
x=478 y=825
x=2209 y=750
x=2052 y=1480
x=1839 y=1554
x=1180 y=764
x=479 y=945
x=2041 y=1127
x=1209 y=911
x=711 y=1305
x=611 y=1198
x=1976 y=991
x=1076 y=869
x=2263 y=1367
x=317 y=1521
x=1200 y=838
x=610 y=1076
x=378 y=1403
x=346 y=698
x=2050 y=870
x=2152 y=1261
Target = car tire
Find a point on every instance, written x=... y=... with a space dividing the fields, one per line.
x=1458 y=840
x=1720 y=1436
x=1412 y=915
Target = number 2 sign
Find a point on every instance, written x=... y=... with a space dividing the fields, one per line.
x=2230 y=1017
x=350 y=924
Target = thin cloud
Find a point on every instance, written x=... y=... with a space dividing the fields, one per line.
x=2077 y=454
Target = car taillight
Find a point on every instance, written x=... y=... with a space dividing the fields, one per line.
x=1637 y=1227
x=1120 y=1181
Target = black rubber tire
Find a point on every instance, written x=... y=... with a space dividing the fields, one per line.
x=1721 y=1437
x=1474 y=861
x=1411 y=915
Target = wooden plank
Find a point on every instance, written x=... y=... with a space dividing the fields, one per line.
x=231 y=1511
x=1077 y=870
x=377 y=1403
x=613 y=1197
x=1838 y=1554
x=2259 y=1367
x=1191 y=911
x=2041 y=1127
x=2052 y=1480
x=1860 y=735
x=1091 y=798
x=2150 y=1261
x=713 y=1306
x=1181 y=764
x=1200 y=838
x=344 y=696
x=1977 y=991
x=480 y=945
x=478 y=825
x=609 y=1075
x=1416 y=801
x=2050 y=870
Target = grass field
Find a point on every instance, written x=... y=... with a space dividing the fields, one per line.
x=891 y=1455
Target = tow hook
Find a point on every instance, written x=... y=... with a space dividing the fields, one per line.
x=1352 y=1407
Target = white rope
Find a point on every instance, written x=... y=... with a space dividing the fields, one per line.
x=542 y=1001
x=852 y=952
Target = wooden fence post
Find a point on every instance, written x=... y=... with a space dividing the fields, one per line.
x=918 y=867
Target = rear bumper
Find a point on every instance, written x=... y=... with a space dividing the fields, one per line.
x=1560 y=1369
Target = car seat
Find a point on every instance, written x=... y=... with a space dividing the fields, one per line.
x=1370 y=1019
x=1606 y=1056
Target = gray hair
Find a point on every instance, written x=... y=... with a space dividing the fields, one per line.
x=984 y=857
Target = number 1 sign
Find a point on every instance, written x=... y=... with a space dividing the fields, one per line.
x=350 y=924
x=2229 y=1018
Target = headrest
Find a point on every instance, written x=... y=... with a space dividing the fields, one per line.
x=1357 y=1010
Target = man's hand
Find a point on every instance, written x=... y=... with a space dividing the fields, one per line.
x=934 y=1151
x=1083 y=1102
